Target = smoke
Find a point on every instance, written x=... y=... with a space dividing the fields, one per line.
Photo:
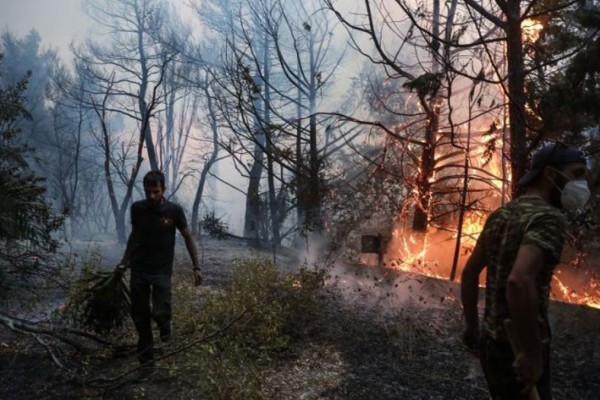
x=365 y=283
x=389 y=291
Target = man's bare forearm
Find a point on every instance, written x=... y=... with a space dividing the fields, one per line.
x=191 y=248
x=523 y=298
x=523 y=304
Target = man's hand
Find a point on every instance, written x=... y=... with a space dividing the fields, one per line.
x=197 y=277
x=529 y=368
x=470 y=338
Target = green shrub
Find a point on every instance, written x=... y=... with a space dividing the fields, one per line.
x=99 y=301
x=272 y=312
x=213 y=225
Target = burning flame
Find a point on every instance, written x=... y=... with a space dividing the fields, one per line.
x=407 y=255
x=433 y=253
x=472 y=227
x=425 y=262
x=587 y=296
x=531 y=30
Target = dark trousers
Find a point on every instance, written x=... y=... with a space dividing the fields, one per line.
x=496 y=359
x=143 y=288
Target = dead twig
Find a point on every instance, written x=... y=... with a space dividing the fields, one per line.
x=50 y=351
x=21 y=326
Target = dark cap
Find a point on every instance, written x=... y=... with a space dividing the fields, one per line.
x=555 y=155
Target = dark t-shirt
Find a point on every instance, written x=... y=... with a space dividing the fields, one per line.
x=154 y=245
x=526 y=220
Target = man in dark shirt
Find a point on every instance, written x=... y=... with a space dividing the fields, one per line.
x=521 y=245
x=149 y=254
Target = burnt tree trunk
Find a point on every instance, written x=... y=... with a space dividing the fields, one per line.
x=516 y=93
x=463 y=204
x=313 y=207
x=431 y=107
x=421 y=216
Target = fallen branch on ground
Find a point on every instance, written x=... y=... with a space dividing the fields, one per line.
x=39 y=332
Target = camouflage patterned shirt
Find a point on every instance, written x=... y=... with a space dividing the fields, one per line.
x=525 y=220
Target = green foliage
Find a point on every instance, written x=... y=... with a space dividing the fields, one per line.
x=26 y=219
x=98 y=301
x=213 y=225
x=272 y=312
x=426 y=85
x=569 y=96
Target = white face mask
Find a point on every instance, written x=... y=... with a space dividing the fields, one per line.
x=575 y=194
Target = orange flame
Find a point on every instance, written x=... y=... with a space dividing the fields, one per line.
x=472 y=227
x=531 y=30
x=431 y=253
x=587 y=296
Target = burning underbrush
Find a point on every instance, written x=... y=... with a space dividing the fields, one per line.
x=576 y=279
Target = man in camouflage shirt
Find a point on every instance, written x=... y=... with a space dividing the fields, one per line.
x=520 y=246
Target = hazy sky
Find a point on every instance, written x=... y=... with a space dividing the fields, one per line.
x=58 y=21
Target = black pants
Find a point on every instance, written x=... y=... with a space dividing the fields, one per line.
x=143 y=288
x=497 y=359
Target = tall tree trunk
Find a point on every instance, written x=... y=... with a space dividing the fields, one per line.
x=516 y=92
x=300 y=187
x=463 y=202
x=207 y=165
x=143 y=110
x=273 y=203
x=118 y=215
x=427 y=165
x=253 y=212
x=313 y=212
x=252 y=215
x=105 y=141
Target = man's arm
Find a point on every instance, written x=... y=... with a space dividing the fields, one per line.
x=124 y=263
x=190 y=245
x=523 y=303
x=469 y=293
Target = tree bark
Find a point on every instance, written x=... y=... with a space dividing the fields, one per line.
x=207 y=165
x=422 y=210
x=253 y=212
x=516 y=92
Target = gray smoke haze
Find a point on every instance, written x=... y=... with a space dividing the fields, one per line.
x=59 y=22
